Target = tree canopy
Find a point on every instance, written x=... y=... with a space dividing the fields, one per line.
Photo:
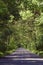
x=21 y=24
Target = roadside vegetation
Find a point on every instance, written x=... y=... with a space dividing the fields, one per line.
x=21 y=25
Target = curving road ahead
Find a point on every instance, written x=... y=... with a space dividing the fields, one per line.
x=21 y=57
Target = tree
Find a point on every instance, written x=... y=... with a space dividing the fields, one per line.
x=19 y=23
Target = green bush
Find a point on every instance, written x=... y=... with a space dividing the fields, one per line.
x=1 y=54
x=41 y=54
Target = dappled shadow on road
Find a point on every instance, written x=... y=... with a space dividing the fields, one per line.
x=20 y=54
x=20 y=62
x=30 y=55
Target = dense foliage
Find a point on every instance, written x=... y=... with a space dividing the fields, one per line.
x=21 y=24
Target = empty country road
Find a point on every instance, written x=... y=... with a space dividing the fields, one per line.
x=21 y=57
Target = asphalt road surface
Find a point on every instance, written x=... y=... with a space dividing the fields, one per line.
x=21 y=57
